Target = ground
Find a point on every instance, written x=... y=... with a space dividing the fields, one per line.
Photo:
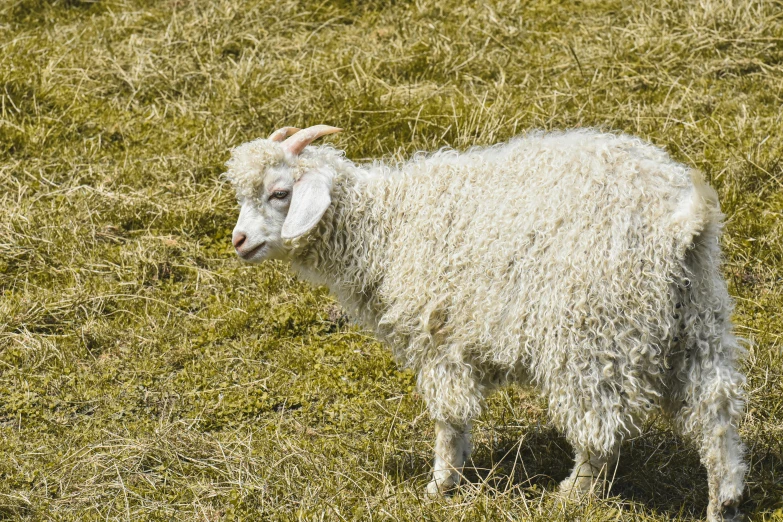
x=145 y=374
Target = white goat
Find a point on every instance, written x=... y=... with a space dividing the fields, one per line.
x=585 y=264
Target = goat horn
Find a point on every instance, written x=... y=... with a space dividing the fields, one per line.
x=283 y=133
x=296 y=144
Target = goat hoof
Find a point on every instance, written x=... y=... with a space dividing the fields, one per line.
x=580 y=487
x=730 y=511
x=433 y=491
x=437 y=490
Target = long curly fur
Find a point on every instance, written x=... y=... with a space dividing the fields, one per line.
x=586 y=264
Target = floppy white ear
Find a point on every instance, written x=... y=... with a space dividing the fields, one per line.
x=310 y=199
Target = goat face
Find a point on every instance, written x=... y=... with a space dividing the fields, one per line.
x=279 y=201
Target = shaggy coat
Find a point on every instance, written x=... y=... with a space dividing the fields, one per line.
x=585 y=264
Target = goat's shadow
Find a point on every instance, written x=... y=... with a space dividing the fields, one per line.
x=658 y=469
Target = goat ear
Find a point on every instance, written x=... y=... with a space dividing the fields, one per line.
x=311 y=197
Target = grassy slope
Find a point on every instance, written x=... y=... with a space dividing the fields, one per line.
x=146 y=375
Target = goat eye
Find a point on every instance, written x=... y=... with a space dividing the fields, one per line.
x=279 y=194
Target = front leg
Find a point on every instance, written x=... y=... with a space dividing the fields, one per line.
x=452 y=449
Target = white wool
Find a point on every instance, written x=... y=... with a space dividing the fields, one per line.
x=586 y=264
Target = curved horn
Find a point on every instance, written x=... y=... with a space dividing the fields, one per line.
x=296 y=144
x=283 y=133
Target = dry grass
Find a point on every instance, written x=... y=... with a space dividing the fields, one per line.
x=146 y=375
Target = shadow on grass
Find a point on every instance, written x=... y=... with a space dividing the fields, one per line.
x=657 y=470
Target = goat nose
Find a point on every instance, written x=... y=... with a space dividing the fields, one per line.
x=239 y=239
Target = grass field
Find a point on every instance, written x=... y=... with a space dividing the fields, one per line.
x=146 y=375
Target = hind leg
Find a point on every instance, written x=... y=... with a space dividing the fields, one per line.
x=710 y=417
x=595 y=419
x=722 y=454
x=710 y=409
x=595 y=436
x=706 y=385
x=591 y=474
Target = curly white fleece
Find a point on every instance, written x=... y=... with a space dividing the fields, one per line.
x=584 y=263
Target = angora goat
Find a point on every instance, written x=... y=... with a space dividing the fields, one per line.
x=582 y=263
